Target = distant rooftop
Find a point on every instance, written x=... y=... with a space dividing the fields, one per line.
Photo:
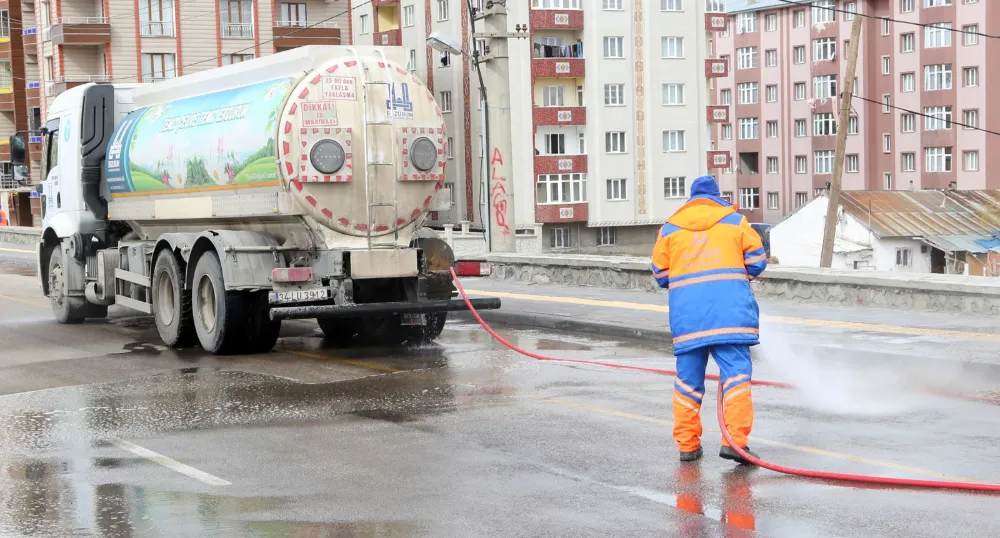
x=739 y=6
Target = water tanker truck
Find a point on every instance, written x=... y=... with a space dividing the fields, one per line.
x=293 y=186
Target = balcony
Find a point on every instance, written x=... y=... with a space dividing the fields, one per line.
x=60 y=84
x=556 y=19
x=35 y=147
x=33 y=93
x=555 y=164
x=559 y=115
x=4 y=151
x=291 y=34
x=237 y=31
x=389 y=38
x=378 y=3
x=558 y=68
x=156 y=29
x=6 y=97
x=28 y=37
x=79 y=31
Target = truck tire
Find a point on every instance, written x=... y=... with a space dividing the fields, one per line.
x=219 y=316
x=339 y=332
x=67 y=310
x=171 y=302
x=419 y=335
x=261 y=331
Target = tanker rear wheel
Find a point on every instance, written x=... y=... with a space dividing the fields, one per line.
x=262 y=332
x=171 y=302
x=424 y=334
x=339 y=332
x=220 y=316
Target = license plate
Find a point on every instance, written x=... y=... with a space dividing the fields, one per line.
x=300 y=296
x=412 y=319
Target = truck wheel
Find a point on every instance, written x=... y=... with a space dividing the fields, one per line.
x=382 y=330
x=426 y=334
x=262 y=332
x=67 y=310
x=339 y=332
x=219 y=316
x=171 y=303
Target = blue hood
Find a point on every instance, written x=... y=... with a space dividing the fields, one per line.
x=705 y=187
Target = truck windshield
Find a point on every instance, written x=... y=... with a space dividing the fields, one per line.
x=50 y=154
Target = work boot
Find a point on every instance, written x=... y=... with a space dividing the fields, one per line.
x=691 y=456
x=728 y=453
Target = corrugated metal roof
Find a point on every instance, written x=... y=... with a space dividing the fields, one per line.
x=955 y=243
x=927 y=213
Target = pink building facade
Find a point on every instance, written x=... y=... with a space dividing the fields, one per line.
x=787 y=68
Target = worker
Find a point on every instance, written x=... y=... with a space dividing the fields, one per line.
x=706 y=254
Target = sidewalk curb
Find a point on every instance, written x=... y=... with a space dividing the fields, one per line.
x=18 y=235
x=560 y=323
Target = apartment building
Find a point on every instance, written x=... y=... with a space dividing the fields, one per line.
x=66 y=43
x=920 y=95
x=608 y=105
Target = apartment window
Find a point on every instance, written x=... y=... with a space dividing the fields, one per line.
x=726 y=97
x=801 y=164
x=156 y=18
x=607 y=236
x=886 y=103
x=772 y=200
x=579 y=96
x=445 y=102
x=886 y=66
x=941 y=3
x=908 y=162
x=443 y=10
x=749 y=128
x=937 y=77
x=672 y=47
x=673 y=94
x=747 y=93
x=772 y=165
x=852 y=125
x=824 y=86
x=582 y=141
x=614 y=47
x=555 y=144
x=230 y=59
x=746 y=57
x=675 y=187
x=364 y=24
x=799 y=54
x=614 y=142
x=908 y=123
x=614 y=94
x=727 y=131
x=823 y=162
x=801 y=199
x=750 y=198
x=903 y=257
x=971 y=34
x=907 y=43
x=938 y=160
x=937 y=118
x=800 y=91
x=800 y=128
x=800 y=18
x=908 y=82
x=674 y=141
x=616 y=189
x=772 y=129
x=851 y=9
x=411 y=63
x=451 y=147
x=970 y=77
x=822 y=12
x=824 y=49
x=552 y=96
x=35 y=119
x=671 y=5
x=236 y=18
x=970 y=119
x=937 y=35
x=293 y=14
x=970 y=161
x=771 y=22
x=561 y=188
x=886 y=143
x=772 y=93
x=771 y=58
x=157 y=67
x=906 y=6
x=409 y=16
x=715 y=6
x=560 y=238
x=746 y=23
x=612 y=5
x=885 y=26
x=851 y=162
x=824 y=124
x=727 y=195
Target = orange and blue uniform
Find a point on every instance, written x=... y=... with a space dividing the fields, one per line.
x=705 y=255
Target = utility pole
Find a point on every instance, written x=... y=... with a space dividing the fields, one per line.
x=832 y=211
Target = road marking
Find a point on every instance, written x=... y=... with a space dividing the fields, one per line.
x=25 y=301
x=807 y=322
x=370 y=366
x=18 y=250
x=779 y=444
x=169 y=463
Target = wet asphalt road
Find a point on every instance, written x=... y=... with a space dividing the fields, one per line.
x=106 y=433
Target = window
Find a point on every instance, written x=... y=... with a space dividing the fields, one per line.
x=772 y=200
x=408 y=16
x=606 y=236
x=746 y=23
x=726 y=97
x=886 y=143
x=35 y=119
x=552 y=96
x=673 y=94
x=582 y=140
x=908 y=162
x=561 y=188
x=937 y=35
x=823 y=162
x=675 y=187
x=230 y=59
x=364 y=24
x=671 y=5
x=747 y=93
x=451 y=147
x=970 y=161
x=907 y=43
x=886 y=66
x=156 y=17
x=616 y=189
x=800 y=18
x=937 y=77
x=971 y=119
x=715 y=6
x=411 y=62
x=885 y=26
x=772 y=129
x=672 y=47
x=937 y=118
x=908 y=123
x=614 y=142
x=824 y=49
x=940 y=3
x=749 y=128
x=750 y=198
x=852 y=125
x=772 y=165
x=801 y=199
x=614 y=47
x=772 y=93
x=801 y=165
x=903 y=256
x=908 y=82
x=746 y=57
x=824 y=86
x=824 y=124
x=727 y=131
x=851 y=9
x=800 y=128
x=771 y=58
x=799 y=55
x=851 y=163
x=886 y=103
x=971 y=34
x=555 y=144
x=673 y=141
x=157 y=67
x=822 y=12
x=236 y=18
x=443 y=10
x=612 y=5
x=938 y=160
x=800 y=91
x=727 y=196
x=50 y=156
x=445 y=59
x=579 y=96
x=560 y=238
x=970 y=77
x=771 y=22
x=906 y=6
x=445 y=102
x=614 y=94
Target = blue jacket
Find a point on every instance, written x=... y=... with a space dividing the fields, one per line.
x=706 y=254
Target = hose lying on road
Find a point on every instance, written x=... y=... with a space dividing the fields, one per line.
x=841 y=477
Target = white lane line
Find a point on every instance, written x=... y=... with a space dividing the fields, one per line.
x=171 y=464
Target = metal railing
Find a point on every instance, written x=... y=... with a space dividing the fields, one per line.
x=7 y=181
x=156 y=29
x=562 y=51
x=304 y=24
x=81 y=78
x=237 y=30
x=80 y=20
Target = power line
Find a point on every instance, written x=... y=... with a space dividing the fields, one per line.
x=960 y=124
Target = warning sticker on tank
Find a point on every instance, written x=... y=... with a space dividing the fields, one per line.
x=339 y=89
x=320 y=114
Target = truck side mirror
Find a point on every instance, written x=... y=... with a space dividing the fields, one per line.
x=17 y=150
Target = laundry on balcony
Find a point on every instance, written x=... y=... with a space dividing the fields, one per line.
x=558 y=51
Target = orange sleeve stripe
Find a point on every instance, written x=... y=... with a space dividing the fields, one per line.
x=707 y=278
x=715 y=332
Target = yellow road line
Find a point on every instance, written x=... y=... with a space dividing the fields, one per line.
x=25 y=301
x=807 y=322
x=779 y=444
x=18 y=250
x=370 y=366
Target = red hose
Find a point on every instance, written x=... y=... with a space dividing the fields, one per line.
x=841 y=477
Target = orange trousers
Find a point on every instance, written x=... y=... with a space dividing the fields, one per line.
x=689 y=390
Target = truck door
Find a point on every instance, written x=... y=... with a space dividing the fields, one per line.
x=51 y=194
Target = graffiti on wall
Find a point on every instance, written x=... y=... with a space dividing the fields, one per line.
x=498 y=193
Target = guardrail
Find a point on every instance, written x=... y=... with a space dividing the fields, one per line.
x=80 y=20
x=237 y=30
x=156 y=29
x=305 y=24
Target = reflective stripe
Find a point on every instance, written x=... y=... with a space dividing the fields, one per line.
x=687 y=387
x=716 y=332
x=742 y=390
x=734 y=379
x=707 y=278
x=757 y=259
x=661 y=274
x=685 y=404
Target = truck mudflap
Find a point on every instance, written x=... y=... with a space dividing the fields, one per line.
x=374 y=309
